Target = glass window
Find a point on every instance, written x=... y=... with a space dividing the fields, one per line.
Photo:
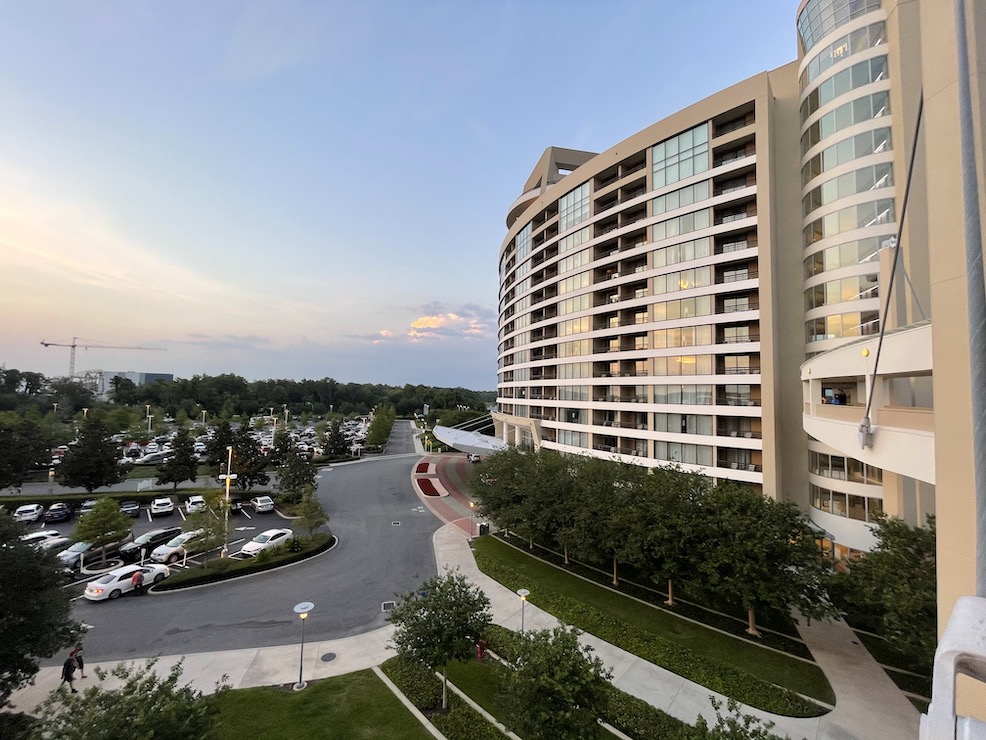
x=573 y=207
x=681 y=156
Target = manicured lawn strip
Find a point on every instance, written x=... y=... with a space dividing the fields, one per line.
x=732 y=667
x=725 y=617
x=354 y=706
x=221 y=569
x=423 y=689
x=920 y=685
x=885 y=654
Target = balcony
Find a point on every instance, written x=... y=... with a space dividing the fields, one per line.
x=903 y=436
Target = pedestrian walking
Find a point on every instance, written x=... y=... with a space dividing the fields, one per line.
x=77 y=654
x=138 y=582
x=68 y=674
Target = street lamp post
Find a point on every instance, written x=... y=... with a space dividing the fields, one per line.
x=302 y=610
x=523 y=593
x=203 y=420
x=149 y=420
x=85 y=412
x=286 y=416
x=228 y=477
x=472 y=519
x=55 y=410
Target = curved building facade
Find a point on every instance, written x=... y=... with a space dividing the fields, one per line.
x=638 y=299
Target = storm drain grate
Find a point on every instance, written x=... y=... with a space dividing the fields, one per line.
x=395 y=524
x=386 y=606
x=328 y=657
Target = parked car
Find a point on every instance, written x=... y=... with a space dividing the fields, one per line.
x=195 y=503
x=162 y=507
x=262 y=503
x=58 y=512
x=72 y=556
x=54 y=543
x=473 y=457
x=176 y=548
x=118 y=582
x=29 y=513
x=130 y=508
x=130 y=552
x=87 y=506
x=36 y=538
x=265 y=541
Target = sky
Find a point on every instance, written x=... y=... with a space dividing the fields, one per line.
x=312 y=188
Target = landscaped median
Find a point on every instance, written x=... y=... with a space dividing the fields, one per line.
x=221 y=569
x=755 y=676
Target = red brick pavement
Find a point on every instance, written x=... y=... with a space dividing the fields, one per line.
x=452 y=470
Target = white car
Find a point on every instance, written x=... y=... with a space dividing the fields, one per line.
x=118 y=582
x=162 y=506
x=29 y=513
x=262 y=503
x=266 y=540
x=39 y=538
x=195 y=503
x=174 y=550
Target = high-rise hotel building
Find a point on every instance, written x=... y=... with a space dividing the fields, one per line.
x=710 y=292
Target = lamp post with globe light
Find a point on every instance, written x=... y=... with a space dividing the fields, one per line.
x=302 y=611
x=523 y=593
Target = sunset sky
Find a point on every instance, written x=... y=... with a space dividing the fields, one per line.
x=307 y=189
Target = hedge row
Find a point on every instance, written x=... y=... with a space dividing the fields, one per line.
x=788 y=643
x=222 y=569
x=626 y=713
x=717 y=676
x=424 y=690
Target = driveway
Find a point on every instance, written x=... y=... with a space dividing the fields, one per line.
x=385 y=548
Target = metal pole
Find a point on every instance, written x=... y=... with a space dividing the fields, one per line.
x=975 y=291
x=301 y=660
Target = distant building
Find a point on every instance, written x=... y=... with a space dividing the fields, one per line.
x=100 y=381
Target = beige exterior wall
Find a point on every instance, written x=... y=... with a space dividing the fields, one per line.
x=953 y=429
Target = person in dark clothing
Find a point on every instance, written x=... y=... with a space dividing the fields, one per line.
x=77 y=654
x=68 y=674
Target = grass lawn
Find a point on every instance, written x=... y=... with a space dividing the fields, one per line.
x=783 y=670
x=357 y=705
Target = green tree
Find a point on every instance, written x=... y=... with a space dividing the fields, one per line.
x=335 y=441
x=295 y=475
x=897 y=582
x=181 y=464
x=249 y=461
x=23 y=448
x=34 y=608
x=144 y=705
x=501 y=484
x=217 y=446
x=123 y=391
x=212 y=520
x=557 y=686
x=441 y=623
x=761 y=553
x=94 y=461
x=283 y=444
x=310 y=513
x=101 y=526
x=664 y=528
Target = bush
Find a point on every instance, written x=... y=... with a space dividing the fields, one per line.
x=221 y=569
x=424 y=690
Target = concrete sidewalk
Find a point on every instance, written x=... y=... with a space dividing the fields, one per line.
x=868 y=705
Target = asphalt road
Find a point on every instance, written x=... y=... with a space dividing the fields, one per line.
x=384 y=549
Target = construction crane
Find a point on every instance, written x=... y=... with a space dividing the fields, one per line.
x=75 y=344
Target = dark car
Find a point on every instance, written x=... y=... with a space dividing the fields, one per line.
x=130 y=508
x=130 y=552
x=58 y=513
x=74 y=555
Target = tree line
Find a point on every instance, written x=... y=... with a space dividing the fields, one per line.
x=228 y=396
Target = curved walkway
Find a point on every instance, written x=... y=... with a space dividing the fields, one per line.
x=868 y=705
